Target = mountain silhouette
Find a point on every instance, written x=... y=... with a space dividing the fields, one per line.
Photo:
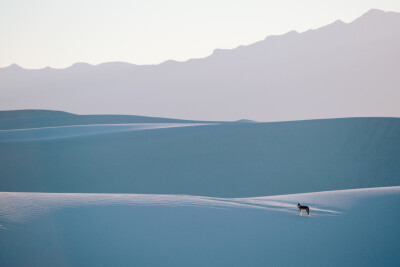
x=339 y=70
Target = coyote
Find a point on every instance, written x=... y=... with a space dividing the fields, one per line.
x=301 y=208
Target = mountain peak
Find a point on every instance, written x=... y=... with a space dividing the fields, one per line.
x=373 y=13
x=81 y=65
x=14 y=66
x=375 y=17
x=338 y=22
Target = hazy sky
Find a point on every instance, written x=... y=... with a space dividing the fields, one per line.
x=39 y=33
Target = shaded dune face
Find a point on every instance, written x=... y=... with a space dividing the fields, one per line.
x=29 y=119
x=206 y=159
x=76 y=131
x=56 y=229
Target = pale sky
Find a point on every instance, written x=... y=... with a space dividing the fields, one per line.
x=40 y=33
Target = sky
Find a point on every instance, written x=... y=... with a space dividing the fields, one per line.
x=39 y=33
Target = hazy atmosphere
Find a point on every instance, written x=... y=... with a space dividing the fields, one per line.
x=337 y=70
x=36 y=34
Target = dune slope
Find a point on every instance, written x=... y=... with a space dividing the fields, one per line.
x=24 y=119
x=222 y=160
x=346 y=228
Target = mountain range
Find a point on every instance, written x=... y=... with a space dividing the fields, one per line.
x=339 y=70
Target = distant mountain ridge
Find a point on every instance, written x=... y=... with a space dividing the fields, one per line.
x=339 y=70
x=23 y=119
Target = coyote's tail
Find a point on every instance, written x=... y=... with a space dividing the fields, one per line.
x=308 y=211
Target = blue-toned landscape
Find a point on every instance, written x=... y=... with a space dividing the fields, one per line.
x=118 y=149
x=161 y=156
x=197 y=193
x=346 y=228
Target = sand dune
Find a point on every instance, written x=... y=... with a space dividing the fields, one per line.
x=220 y=160
x=346 y=228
